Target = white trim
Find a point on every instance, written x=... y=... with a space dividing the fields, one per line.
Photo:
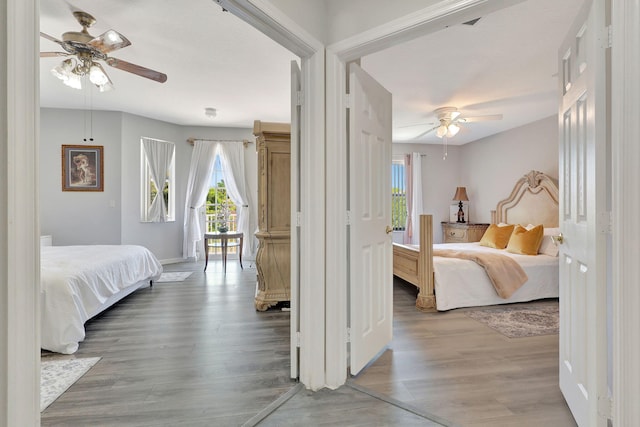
x=19 y=226
x=626 y=204
x=267 y=19
x=261 y=15
x=312 y=230
x=428 y=20
x=336 y=205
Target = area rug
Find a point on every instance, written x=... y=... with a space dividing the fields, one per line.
x=57 y=375
x=517 y=322
x=173 y=276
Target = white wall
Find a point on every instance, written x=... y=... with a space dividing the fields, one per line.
x=334 y=20
x=308 y=14
x=491 y=166
x=113 y=216
x=73 y=217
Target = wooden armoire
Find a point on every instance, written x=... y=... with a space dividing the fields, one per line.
x=273 y=259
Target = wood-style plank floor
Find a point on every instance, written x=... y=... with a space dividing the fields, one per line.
x=196 y=353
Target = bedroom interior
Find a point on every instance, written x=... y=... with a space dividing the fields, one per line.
x=524 y=147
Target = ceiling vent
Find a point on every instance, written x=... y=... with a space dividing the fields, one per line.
x=472 y=22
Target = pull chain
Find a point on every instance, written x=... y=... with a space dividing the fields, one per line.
x=87 y=84
x=444 y=148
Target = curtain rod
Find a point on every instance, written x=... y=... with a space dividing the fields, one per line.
x=245 y=142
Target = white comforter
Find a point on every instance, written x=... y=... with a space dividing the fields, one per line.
x=78 y=282
x=463 y=283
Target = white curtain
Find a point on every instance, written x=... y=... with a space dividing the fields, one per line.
x=232 y=162
x=413 y=165
x=159 y=157
x=202 y=159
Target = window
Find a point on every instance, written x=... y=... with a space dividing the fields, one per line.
x=221 y=211
x=398 y=196
x=149 y=190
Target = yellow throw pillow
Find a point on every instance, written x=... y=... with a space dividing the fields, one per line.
x=496 y=237
x=525 y=242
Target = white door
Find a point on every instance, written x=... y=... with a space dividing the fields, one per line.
x=583 y=215
x=370 y=246
x=296 y=105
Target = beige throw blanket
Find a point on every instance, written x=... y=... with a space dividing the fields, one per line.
x=505 y=273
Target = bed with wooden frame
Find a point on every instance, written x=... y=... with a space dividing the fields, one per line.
x=534 y=200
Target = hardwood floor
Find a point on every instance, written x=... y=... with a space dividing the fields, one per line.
x=197 y=353
x=467 y=373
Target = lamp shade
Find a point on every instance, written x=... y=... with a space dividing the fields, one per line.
x=461 y=194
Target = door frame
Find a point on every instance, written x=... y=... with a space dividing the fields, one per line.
x=307 y=245
x=338 y=55
x=19 y=48
x=625 y=153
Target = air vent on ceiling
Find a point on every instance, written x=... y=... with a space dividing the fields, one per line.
x=472 y=22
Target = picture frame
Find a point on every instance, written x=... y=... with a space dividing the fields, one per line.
x=82 y=168
x=453 y=212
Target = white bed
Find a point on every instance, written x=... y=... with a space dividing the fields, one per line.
x=447 y=283
x=79 y=282
x=463 y=283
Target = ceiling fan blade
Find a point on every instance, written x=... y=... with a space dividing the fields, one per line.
x=51 y=38
x=53 y=54
x=109 y=41
x=480 y=118
x=425 y=132
x=416 y=124
x=136 y=69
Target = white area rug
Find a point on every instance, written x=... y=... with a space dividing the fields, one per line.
x=173 y=276
x=516 y=322
x=57 y=375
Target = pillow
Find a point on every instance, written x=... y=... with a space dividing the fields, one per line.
x=496 y=237
x=548 y=246
x=525 y=242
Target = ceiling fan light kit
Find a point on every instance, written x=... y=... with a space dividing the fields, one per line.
x=449 y=119
x=86 y=50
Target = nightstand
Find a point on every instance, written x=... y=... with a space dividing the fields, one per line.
x=462 y=232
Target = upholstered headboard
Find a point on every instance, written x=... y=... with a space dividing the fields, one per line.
x=534 y=200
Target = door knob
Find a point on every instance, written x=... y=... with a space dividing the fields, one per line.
x=388 y=229
x=558 y=240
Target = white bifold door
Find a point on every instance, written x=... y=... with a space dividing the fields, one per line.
x=584 y=217
x=370 y=238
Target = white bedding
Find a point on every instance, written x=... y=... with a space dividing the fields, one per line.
x=78 y=282
x=463 y=283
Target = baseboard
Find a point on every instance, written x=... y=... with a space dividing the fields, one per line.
x=171 y=261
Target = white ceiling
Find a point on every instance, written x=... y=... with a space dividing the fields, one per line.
x=505 y=64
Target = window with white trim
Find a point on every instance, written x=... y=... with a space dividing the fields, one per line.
x=148 y=189
x=398 y=195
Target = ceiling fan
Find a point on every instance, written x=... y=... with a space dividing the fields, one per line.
x=449 y=120
x=84 y=52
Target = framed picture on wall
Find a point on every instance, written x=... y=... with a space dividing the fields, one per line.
x=82 y=168
x=453 y=212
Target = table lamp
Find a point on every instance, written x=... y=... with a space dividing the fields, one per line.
x=461 y=196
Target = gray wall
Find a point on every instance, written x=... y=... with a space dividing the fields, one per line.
x=79 y=217
x=491 y=166
x=488 y=168
x=113 y=216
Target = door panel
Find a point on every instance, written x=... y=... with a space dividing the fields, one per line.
x=370 y=247
x=583 y=140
